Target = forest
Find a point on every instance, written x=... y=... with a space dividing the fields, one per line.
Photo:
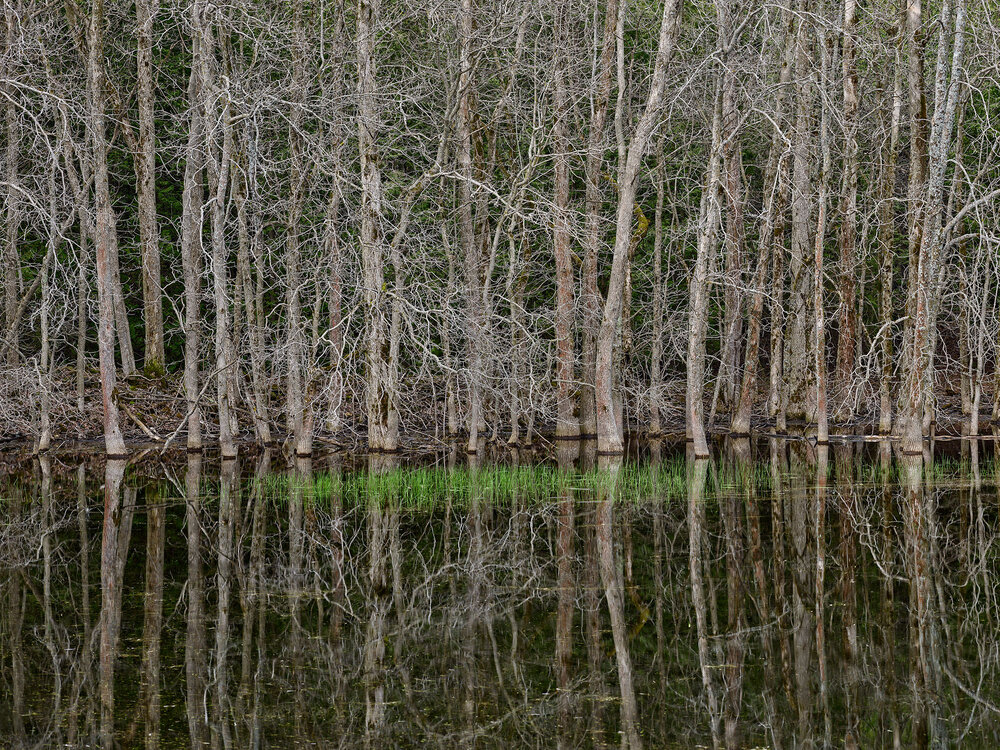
x=309 y=221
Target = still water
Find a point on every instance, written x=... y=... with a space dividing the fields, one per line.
x=779 y=595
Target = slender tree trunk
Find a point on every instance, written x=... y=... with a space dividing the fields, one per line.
x=777 y=398
x=911 y=21
x=255 y=335
x=740 y=424
x=514 y=276
x=656 y=353
x=952 y=90
x=609 y=436
x=450 y=385
x=82 y=295
x=46 y=359
x=947 y=89
x=732 y=169
x=980 y=356
x=593 y=200
x=218 y=162
x=886 y=246
x=122 y=325
x=44 y=356
x=822 y=417
x=336 y=319
x=566 y=423
x=145 y=169
x=380 y=395
x=296 y=388
x=466 y=225
x=331 y=240
x=770 y=244
x=708 y=228
x=104 y=239
x=798 y=371
x=192 y=204
x=847 y=337
x=12 y=215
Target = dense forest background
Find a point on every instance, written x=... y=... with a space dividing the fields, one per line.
x=315 y=217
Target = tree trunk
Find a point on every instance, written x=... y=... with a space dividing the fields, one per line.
x=121 y=314
x=656 y=354
x=771 y=243
x=219 y=160
x=822 y=418
x=777 y=392
x=336 y=319
x=145 y=169
x=593 y=200
x=847 y=337
x=913 y=33
x=192 y=202
x=297 y=418
x=380 y=395
x=566 y=423
x=255 y=334
x=886 y=247
x=466 y=226
x=945 y=103
x=104 y=238
x=609 y=436
x=732 y=166
x=11 y=259
x=82 y=294
x=708 y=228
x=798 y=370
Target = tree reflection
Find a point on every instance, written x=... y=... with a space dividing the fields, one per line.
x=153 y=615
x=770 y=602
x=194 y=644
x=114 y=552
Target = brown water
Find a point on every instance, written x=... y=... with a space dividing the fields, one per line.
x=779 y=596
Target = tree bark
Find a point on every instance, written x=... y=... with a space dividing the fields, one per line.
x=947 y=88
x=822 y=417
x=12 y=210
x=610 y=438
x=251 y=303
x=297 y=417
x=656 y=353
x=192 y=203
x=847 y=336
x=770 y=244
x=732 y=168
x=466 y=227
x=708 y=228
x=911 y=21
x=218 y=148
x=566 y=423
x=886 y=247
x=593 y=201
x=145 y=176
x=105 y=242
x=800 y=395
x=380 y=396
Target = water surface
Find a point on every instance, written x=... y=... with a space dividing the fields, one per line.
x=779 y=595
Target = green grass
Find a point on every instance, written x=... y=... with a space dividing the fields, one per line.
x=499 y=485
